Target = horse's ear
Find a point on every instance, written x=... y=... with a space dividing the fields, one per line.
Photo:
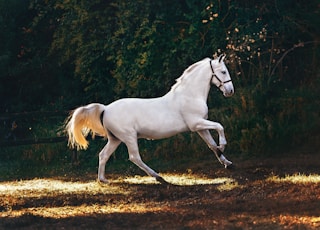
x=221 y=57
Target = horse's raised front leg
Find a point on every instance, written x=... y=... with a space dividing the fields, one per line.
x=104 y=156
x=134 y=157
x=206 y=136
x=204 y=124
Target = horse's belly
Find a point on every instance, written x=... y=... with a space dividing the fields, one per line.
x=159 y=131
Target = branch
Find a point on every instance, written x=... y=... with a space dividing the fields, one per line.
x=300 y=44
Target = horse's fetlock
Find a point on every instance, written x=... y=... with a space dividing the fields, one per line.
x=221 y=147
x=212 y=147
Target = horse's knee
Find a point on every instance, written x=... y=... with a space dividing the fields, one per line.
x=220 y=127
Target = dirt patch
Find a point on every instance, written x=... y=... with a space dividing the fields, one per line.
x=274 y=193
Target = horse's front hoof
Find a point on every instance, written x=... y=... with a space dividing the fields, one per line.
x=231 y=166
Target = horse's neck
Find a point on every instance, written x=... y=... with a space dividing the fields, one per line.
x=193 y=87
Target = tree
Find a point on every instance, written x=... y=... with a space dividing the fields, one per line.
x=12 y=49
x=104 y=50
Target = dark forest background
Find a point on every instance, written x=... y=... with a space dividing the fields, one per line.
x=58 y=55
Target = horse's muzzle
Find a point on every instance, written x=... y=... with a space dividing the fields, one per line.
x=228 y=89
x=228 y=93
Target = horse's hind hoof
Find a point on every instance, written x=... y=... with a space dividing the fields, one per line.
x=102 y=182
x=161 y=180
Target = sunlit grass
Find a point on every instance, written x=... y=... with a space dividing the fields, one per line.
x=178 y=179
x=312 y=221
x=18 y=192
x=296 y=179
x=84 y=210
x=229 y=185
x=47 y=186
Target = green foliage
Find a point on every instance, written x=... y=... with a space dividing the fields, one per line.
x=262 y=122
x=274 y=108
x=57 y=55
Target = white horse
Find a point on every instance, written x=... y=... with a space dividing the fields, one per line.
x=183 y=108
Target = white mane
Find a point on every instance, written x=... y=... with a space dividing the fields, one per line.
x=186 y=73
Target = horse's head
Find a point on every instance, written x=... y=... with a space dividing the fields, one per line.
x=221 y=77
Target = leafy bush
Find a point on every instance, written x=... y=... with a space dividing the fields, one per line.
x=69 y=53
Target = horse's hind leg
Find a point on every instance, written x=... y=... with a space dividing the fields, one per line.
x=104 y=156
x=134 y=157
x=206 y=136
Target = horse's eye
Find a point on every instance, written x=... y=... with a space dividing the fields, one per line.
x=223 y=72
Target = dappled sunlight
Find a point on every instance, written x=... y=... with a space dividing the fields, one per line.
x=38 y=187
x=47 y=186
x=40 y=197
x=84 y=210
x=178 y=179
x=310 y=221
x=295 y=178
x=189 y=199
x=21 y=192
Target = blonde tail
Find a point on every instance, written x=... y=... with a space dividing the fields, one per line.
x=83 y=120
